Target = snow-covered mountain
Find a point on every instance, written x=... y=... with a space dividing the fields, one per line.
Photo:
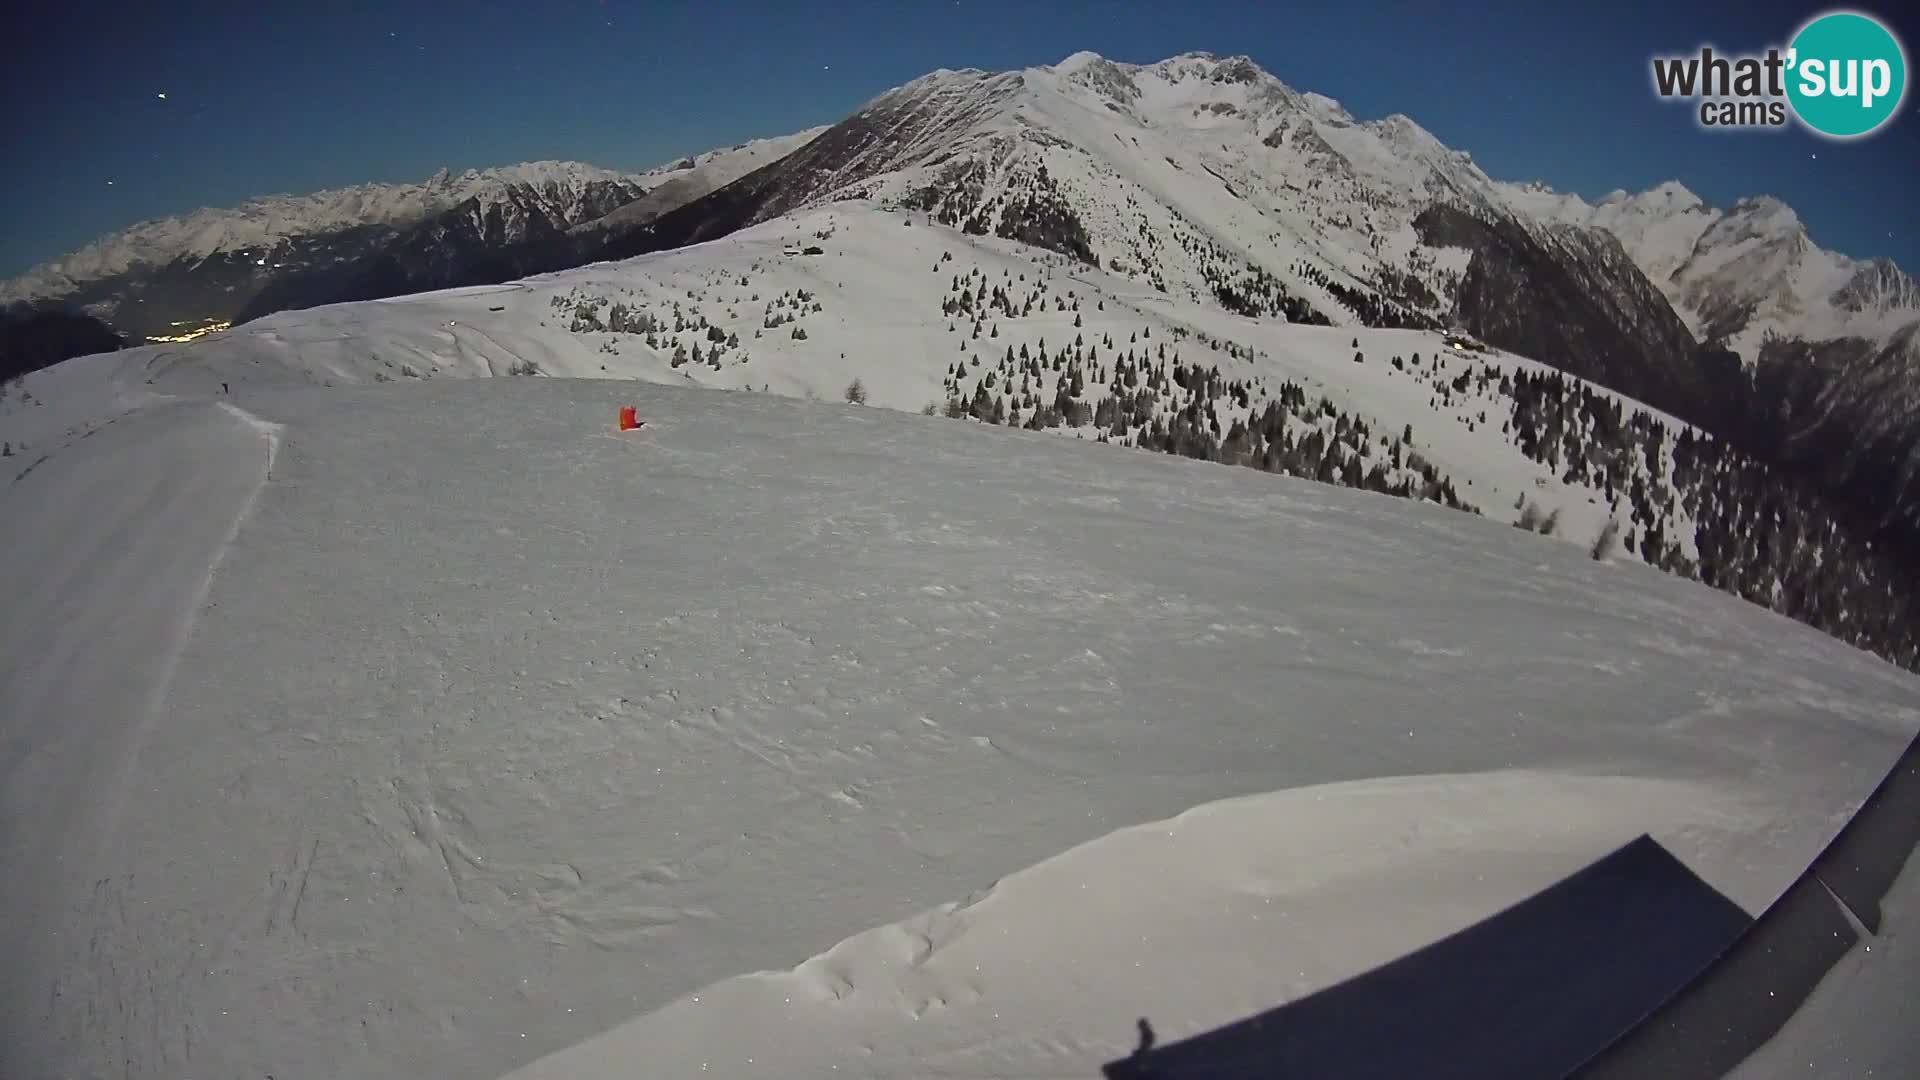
x=1200 y=174
x=1152 y=158
x=1293 y=182
x=1207 y=181
x=173 y=276
x=1207 y=178
x=1829 y=346
x=1742 y=275
x=566 y=189
x=683 y=181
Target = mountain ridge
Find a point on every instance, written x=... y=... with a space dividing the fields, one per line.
x=193 y=269
x=1870 y=298
x=1341 y=201
x=1745 y=273
x=265 y=219
x=1208 y=178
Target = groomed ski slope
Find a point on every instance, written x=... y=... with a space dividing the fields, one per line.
x=432 y=729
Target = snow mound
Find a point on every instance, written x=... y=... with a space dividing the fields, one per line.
x=1282 y=894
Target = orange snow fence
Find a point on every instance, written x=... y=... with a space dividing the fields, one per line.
x=629 y=418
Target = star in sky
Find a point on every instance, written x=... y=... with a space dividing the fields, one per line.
x=162 y=95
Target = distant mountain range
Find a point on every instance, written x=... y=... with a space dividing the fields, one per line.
x=168 y=277
x=1199 y=176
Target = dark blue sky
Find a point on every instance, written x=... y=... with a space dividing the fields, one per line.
x=265 y=98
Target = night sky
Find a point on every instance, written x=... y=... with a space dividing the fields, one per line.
x=265 y=98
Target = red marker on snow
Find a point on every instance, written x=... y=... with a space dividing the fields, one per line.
x=629 y=418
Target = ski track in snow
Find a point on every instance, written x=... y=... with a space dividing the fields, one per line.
x=119 y=574
x=499 y=730
x=116 y=792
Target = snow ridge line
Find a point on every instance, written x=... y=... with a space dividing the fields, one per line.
x=271 y=433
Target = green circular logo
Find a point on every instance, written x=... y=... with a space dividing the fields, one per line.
x=1846 y=74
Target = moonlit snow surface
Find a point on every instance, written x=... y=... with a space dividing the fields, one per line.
x=432 y=729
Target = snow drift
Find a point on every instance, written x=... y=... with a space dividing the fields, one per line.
x=1226 y=910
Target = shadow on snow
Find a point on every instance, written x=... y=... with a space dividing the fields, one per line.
x=1630 y=967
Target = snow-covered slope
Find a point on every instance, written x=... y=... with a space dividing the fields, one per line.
x=728 y=163
x=880 y=305
x=1211 y=183
x=683 y=181
x=926 y=316
x=1112 y=931
x=1208 y=179
x=429 y=729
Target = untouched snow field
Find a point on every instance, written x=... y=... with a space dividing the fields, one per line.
x=432 y=729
